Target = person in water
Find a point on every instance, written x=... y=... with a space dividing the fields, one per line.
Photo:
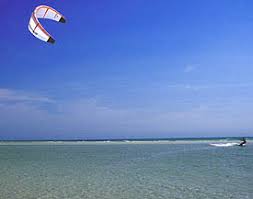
x=243 y=142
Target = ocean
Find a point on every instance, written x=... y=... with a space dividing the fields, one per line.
x=133 y=169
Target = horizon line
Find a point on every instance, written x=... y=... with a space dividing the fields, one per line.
x=128 y=139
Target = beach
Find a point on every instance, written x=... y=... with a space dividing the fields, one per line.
x=182 y=169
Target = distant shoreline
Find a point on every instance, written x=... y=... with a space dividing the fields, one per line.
x=129 y=139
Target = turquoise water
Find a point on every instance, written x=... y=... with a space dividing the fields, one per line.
x=150 y=170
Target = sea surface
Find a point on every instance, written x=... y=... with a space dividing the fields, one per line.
x=143 y=169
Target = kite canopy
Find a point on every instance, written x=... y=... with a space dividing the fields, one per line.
x=44 y=12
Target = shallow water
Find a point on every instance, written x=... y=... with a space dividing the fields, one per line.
x=122 y=171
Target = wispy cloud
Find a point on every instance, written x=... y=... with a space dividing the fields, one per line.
x=210 y=86
x=9 y=95
x=88 y=118
x=190 y=68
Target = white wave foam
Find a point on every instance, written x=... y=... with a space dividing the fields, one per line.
x=225 y=144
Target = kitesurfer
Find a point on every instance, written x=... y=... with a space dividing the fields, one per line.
x=243 y=142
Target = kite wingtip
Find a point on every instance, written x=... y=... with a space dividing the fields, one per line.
x=51 y=40
x=62 y=20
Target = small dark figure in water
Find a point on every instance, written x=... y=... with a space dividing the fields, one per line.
x=243 y=142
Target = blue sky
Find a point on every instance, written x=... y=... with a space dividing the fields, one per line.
x=128 y=69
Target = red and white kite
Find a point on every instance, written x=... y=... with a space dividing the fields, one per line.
x=43 y=12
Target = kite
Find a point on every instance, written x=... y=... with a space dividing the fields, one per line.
x=44 y=12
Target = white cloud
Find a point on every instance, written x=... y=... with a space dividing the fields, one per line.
x=87 y=118
x=9 y=95
x=190 y=68
x=210 y=86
